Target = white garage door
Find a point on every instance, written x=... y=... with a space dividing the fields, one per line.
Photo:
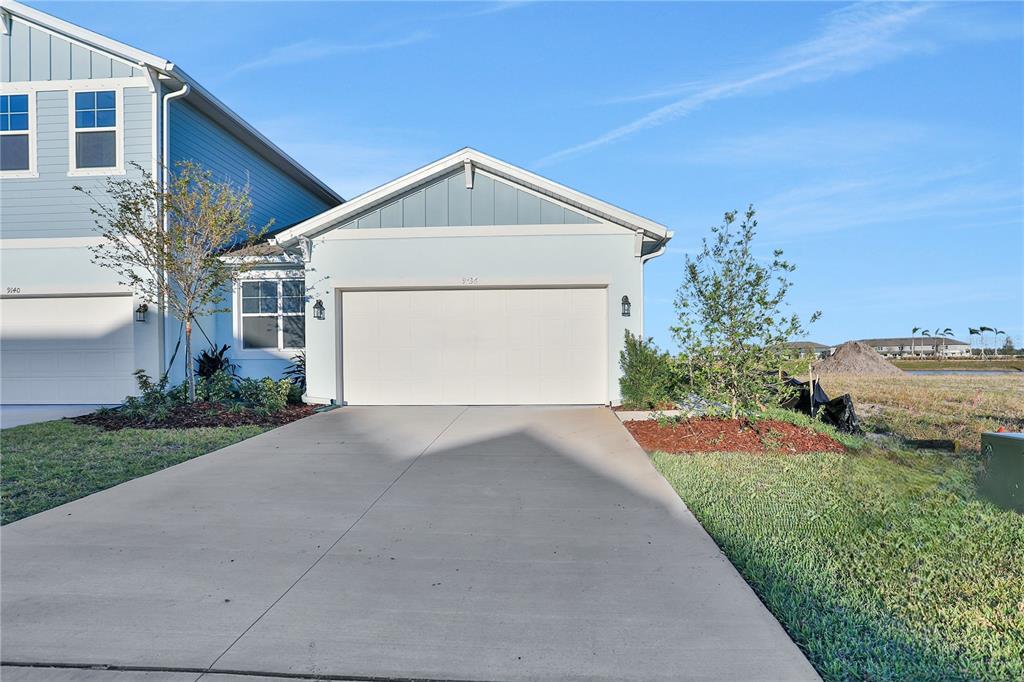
x=66 y=350
x=475 y=347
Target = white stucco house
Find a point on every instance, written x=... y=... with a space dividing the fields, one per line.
x=467 y=281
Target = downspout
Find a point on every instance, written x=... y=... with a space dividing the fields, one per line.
x=643 y=260
x=165 y=152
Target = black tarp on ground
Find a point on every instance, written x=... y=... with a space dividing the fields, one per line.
x=837 y=412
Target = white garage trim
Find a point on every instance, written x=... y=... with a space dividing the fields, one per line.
x=473 y=345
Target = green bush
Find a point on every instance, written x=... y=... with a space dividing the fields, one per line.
x=154 y=402
x=265 y=396
x=647 y=379
x=219 y=387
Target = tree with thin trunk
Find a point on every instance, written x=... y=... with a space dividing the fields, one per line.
x=913 y=337
x=995 y=340
x=732 y=323
x=983 y=330
x=971 y=333
x=167 y=242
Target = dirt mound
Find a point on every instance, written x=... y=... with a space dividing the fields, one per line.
x=854 y=357
x=729 y=435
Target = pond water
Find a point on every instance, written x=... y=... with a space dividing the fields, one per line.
x=962 y=371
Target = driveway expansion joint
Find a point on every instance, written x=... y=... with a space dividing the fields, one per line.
x=228 y=671
x=332 y=546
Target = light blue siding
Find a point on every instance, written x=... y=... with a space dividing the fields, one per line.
x=48 y=206
x=194 y=137
x=447 y=203
x=31 y=54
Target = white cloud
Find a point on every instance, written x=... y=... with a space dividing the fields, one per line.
x=316 y=49
x=854 y=39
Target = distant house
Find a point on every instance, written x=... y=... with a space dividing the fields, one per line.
x=919 y=345
x=805 y=348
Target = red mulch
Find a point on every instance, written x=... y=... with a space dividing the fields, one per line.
x=197 y=415
x=730 y=435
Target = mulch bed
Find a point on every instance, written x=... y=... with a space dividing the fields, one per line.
x=730 y=435
x=197 y=415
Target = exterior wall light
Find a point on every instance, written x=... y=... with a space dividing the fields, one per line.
x=140 y=312
x=625 y=306
x=318 y=310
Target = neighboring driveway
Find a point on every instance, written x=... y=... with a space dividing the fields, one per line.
x=449 y=543
x=18 y=415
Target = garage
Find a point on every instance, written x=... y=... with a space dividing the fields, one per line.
x=66 y=350
x=513 y=346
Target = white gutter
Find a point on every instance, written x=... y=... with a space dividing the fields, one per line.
x=643 y=260
x=164 y=178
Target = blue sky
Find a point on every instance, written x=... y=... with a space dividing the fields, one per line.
x=882 y=144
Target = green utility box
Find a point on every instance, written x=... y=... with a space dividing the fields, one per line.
x=1003 y=479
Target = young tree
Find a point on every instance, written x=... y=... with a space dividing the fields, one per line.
x=178 y=266
x=732 y=326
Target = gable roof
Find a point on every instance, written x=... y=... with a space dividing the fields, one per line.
x=199 y=96
x=376 y=197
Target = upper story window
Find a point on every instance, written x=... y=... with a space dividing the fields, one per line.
x=15 y=135
x=274 y=314
x=95 y=130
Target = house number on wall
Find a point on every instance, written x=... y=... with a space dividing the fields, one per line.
x=13 y=290
x=470 y=280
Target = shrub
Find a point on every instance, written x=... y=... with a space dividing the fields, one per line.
x=265 y=396
x=647 y=376
x=219 y=387
x=212 y=361
x=154 y=402
x=296 y=371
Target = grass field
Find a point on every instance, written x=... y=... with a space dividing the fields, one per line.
x=1015 y=364
x=880 y=565
x=951 y=407
x=45 y=465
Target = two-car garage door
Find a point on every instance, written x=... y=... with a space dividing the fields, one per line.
x=474 y=346
x=66 y=350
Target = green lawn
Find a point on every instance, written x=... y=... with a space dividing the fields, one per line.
x=880 y=565
x=45 y=465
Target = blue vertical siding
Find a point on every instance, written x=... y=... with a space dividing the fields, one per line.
x=448 y=203
x=47 y=206
x=275 y=196
x=29 y=54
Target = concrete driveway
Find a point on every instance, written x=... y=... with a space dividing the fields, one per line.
x=445 y=543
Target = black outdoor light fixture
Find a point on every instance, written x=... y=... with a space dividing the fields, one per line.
x=625 y=306
x=318 y=310
x=140 y=312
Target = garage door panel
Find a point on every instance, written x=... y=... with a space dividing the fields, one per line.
x=66 y=350
x=474 y=346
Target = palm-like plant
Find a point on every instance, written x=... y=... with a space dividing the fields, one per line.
x=913 y=334
x=995 y=340
x=982 y=330
x=971 y=333
x=946 y=333
x=925 y=332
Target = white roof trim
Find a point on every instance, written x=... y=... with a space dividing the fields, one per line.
x=205 y=101
x=340 y=214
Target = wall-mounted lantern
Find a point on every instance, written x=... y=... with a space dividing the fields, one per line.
x=625 y=306
x=140 y=312
x=318 y=310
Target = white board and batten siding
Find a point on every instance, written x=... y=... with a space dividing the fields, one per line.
x=66 y=350
x=475 y=346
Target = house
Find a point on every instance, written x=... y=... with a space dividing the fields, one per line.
x=468 y=281
x=918 y=345
x=809 y=348
x=77 y=108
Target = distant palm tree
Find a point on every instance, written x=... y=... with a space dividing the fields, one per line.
x=946 y=333
x=925 y=333
x=913 y=333
x=982 y=330
x=995 y=340
x=971 y=333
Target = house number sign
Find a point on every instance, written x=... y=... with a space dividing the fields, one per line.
x=470 y=280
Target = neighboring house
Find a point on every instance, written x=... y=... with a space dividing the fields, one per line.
x=468 y=281
x=77 y=108
x=805 y=348
x=918 y=345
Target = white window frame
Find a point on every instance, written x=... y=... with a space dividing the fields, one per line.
x=279 y=279
x=32 y=171
x=118 y=129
